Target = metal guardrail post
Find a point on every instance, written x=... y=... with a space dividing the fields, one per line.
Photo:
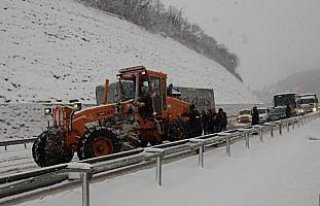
x=247 y=136
x=160 y=153
x=288 y=128
x=280 y=128
x=84 y=169
x=201 y=143
x=85 y=189
x=227 y=138
x=25 y=145
x=271 y=125
x=293 y=122
x=261 y=133
x=228 y=147
x=298 y=122
x=5 y=146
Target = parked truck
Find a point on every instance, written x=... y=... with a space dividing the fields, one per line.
x=307 y=103
x=282 y=100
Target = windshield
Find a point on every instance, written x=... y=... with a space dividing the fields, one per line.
x=277 y=110
x=262 y=111
x=127 y=89
x=307 y=101
x=245 y=112
x=284 y=100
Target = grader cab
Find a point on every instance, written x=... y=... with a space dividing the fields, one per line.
x=143 y=114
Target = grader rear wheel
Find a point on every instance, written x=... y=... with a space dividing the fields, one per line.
x=48 y=149
x=97 y=143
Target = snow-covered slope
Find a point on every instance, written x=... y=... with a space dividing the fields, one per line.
x=61 y=49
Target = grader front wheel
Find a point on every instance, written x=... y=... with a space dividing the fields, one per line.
x=48 y=149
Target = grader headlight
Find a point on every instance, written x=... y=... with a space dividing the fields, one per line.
x=47 y=111
x=77 y=106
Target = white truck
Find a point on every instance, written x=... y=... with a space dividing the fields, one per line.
x=307 y=103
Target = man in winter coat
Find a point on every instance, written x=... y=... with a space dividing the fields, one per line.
x=212 y=121
x=288 y=111
x=205 y=122
x=255 y=116
x=222 y=120
x=194 y=126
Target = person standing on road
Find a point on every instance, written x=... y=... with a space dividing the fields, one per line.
x=205 y=122
x=212 y=121
x=255 y=116
x=194 y=126
x=288 y=111
x=222 y=120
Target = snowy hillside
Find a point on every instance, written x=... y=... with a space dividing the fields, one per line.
x=60 y=49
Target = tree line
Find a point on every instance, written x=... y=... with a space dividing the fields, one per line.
x=169 y=22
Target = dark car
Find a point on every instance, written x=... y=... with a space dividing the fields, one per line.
x=277 y=113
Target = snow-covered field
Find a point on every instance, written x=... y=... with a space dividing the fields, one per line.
x=21 y=120
x=61 y=49
x=283 y=171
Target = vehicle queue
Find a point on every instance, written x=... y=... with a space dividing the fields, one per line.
x=284 y=106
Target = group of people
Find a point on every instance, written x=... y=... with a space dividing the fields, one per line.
x=213 y=122
x=206 y=122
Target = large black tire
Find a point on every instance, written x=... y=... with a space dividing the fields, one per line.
x=177 y=130
x=49 y=149
x=98 y=142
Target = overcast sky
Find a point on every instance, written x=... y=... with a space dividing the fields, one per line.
x=272 y=37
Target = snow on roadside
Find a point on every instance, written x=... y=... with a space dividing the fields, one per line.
x=61 y=49
x=282 y=171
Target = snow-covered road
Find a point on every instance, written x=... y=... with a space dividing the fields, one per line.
x=280 y=171
x=16 y=159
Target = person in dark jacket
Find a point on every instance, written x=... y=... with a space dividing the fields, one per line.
x=212 y=124
x=255 y=116
x=194 y=126
x=288 y=111
x=221 y=120
x=205 y=122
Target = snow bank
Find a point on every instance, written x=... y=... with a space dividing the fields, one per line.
x=61 y=50
x=281 y=171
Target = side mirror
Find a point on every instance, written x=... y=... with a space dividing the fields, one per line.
x=106 y=90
